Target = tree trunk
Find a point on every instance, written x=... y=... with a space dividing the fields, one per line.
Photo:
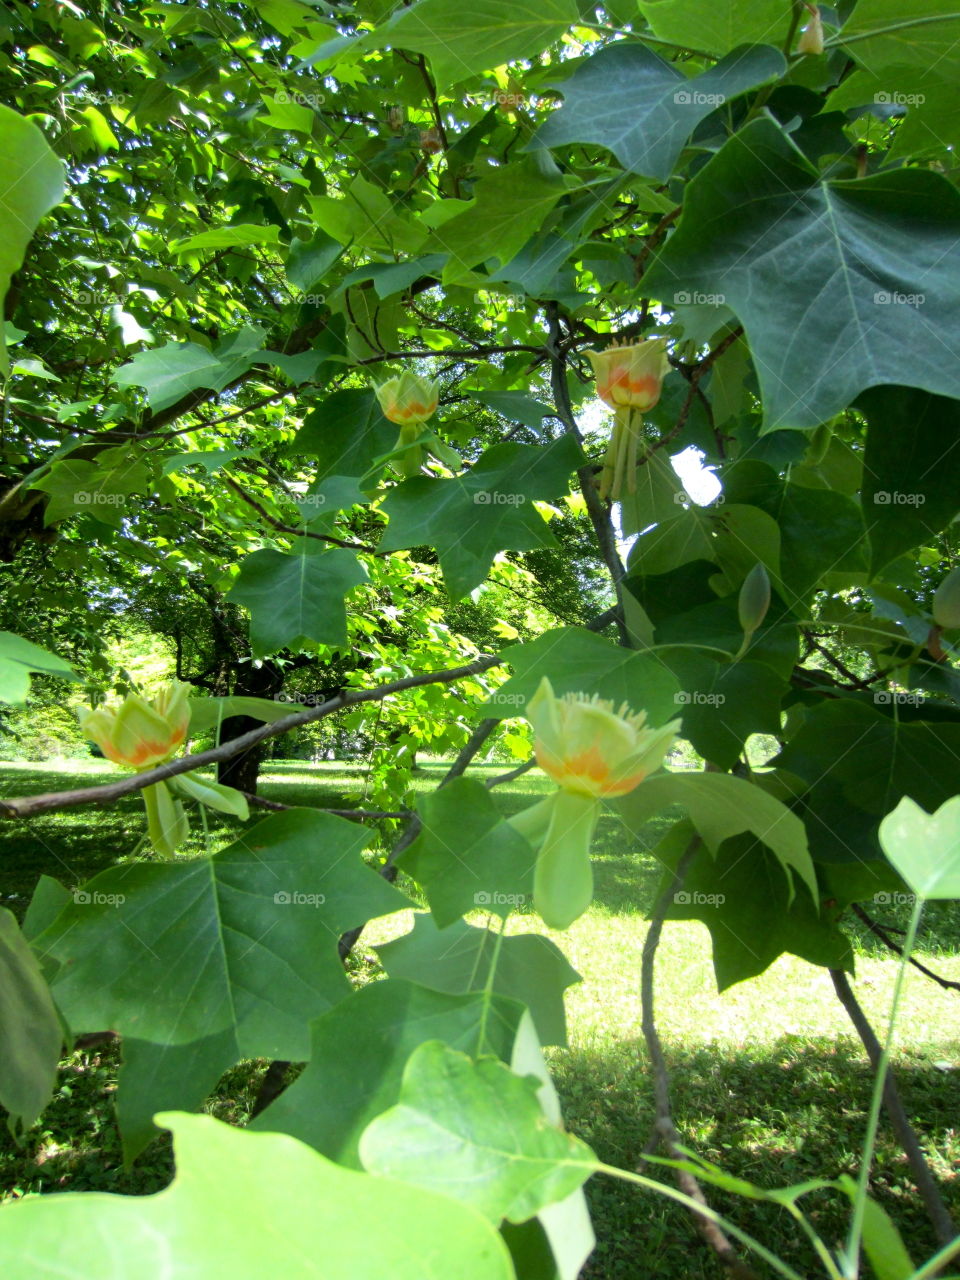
x=242 y=771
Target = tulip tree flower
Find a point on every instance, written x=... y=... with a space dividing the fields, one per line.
x=629 y=379
x=410 y=401
x=593 y=753
x=141 y=733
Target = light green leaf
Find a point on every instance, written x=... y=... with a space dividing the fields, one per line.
x=209 y=713
x=644 y=109
x=29 y=1029
x=102 y=488
x=231 y=237
x=900 y=42
x=200 y=963
x=875 y=265
x=487 y=509
x=460 y=42
x=298 y=595
x=719 y=806
x=242 y=1196
x=18 y=658
x=358 y=1053
x=31 y=183
x=530 y=968
x=477 y=1130
x=717 y=26
x=925 y=847
x=882 y=1242
x=212 y=794
x=172 y=371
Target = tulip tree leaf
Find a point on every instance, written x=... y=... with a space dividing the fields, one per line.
x=467 y=856
x=530 y=968
x=198 y=964
x=18 y=658
x=578 y=661
x=642 y=108
x=241 y=1195
x=170 y=372
x=909 y=480
x=717 y=25
x=927 y=43
x=31 y=184
x=489 y=508
x=743 y=897
x=345 y=433
x=874 y=264
x=298 y=595
x=720 y=806
x=476 y=1130
x=29 y=1029
x=359 y=1051
x=460 y=42
x=103 y=489
x=925 y=847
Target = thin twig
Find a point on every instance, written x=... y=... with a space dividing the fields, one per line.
x=292 y=529
x=899 y=1120
x=884 y=935
x=664 y=1127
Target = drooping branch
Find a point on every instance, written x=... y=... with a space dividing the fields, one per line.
x=884 y=935
x=665 y=1131
x=899 y=1120
x=27 y=806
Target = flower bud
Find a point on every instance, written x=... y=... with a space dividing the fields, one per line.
x=754 y=600
x=631 y=376
x=140 y=732
x=409 y=398
x=811 y=39
x=946 y=602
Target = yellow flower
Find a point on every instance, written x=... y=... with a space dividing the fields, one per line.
x=631 y=376
x=587 y=747
x=409 y=398
x=140 y=732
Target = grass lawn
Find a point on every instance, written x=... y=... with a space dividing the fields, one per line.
x=768 y=1079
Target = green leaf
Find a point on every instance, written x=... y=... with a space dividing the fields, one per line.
x=32 y=182
x=925 y=847
x=241 y=1196
x=643 y=109
x=29 y=1029
x=366 y=217
x=170 y=372
x=102 y=488
x=861 y=254
x=198 y=964
x=309 y=260
x=900 y=42
x=530 y=968
x=471 y=517
x=467 y=856
x=460 y=42
x=346 y=433
x=210 y=713
x=579 y=661
x=823 y=539
x=744 y=898
x=212 y=794
x=477 y=1130
x=882 y=1242
x=717 y=26
x=297 y=596
x=358 y=1053
x=721 y=704
x=720 y=806
x=18 y=658
x=655 y=498
x=909 y=482
x=510 y=203
x=239 y=235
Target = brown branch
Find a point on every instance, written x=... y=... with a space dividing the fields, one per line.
x=665 y=1131
x=26 y=806
x=947 y=983
x=899 y=1120
x=693 y=374
x=292 y=530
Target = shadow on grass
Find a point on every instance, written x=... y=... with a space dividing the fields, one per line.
x=775 y=1115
